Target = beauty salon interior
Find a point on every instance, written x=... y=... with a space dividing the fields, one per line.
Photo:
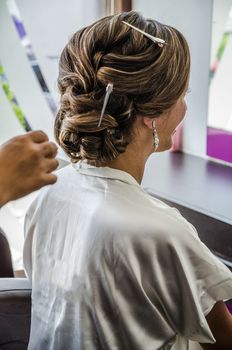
x=131 y=247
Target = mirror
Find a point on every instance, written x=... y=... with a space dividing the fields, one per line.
x=219 y=131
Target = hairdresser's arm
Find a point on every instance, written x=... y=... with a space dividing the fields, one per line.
x=220 y=323
x=26 y=163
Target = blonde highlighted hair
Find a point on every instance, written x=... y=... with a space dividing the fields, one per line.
x=147 y=79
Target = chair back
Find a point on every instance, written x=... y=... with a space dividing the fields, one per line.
x=6 y=268
x=15 y=313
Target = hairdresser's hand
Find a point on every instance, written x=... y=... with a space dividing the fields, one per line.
x=26 y=163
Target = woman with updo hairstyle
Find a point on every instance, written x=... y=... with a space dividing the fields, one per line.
x=113 y=268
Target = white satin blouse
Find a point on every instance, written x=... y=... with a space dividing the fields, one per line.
x=113 y=268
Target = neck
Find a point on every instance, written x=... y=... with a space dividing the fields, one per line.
x=131 y=161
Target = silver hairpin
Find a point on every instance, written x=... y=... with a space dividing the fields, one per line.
x=109 y=89
x=156 y=40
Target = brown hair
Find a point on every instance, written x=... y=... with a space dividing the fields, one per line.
x=147 y=80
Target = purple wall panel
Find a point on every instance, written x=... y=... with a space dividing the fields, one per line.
x=219 y=144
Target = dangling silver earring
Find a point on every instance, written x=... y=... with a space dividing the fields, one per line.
x=155 y=136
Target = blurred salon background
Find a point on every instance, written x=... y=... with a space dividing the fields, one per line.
x=196 y=175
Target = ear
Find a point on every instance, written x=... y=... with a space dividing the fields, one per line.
x=148 y=122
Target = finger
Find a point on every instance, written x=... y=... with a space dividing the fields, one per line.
x=49 y=179
x=38 y=136
x=51 y=165
x=46 y=179
x=49 y=149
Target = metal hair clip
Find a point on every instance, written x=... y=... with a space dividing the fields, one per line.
x=156 y=40
x=109 y=89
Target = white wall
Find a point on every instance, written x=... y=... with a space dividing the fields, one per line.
x=21 y=76
x=220 y=103
x=50 y=24
x=194 y=19
x=221 y=10
x=9 y=125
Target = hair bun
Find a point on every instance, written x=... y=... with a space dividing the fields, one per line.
x=81 y=138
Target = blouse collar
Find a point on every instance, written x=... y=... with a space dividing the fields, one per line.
x=110 y=173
